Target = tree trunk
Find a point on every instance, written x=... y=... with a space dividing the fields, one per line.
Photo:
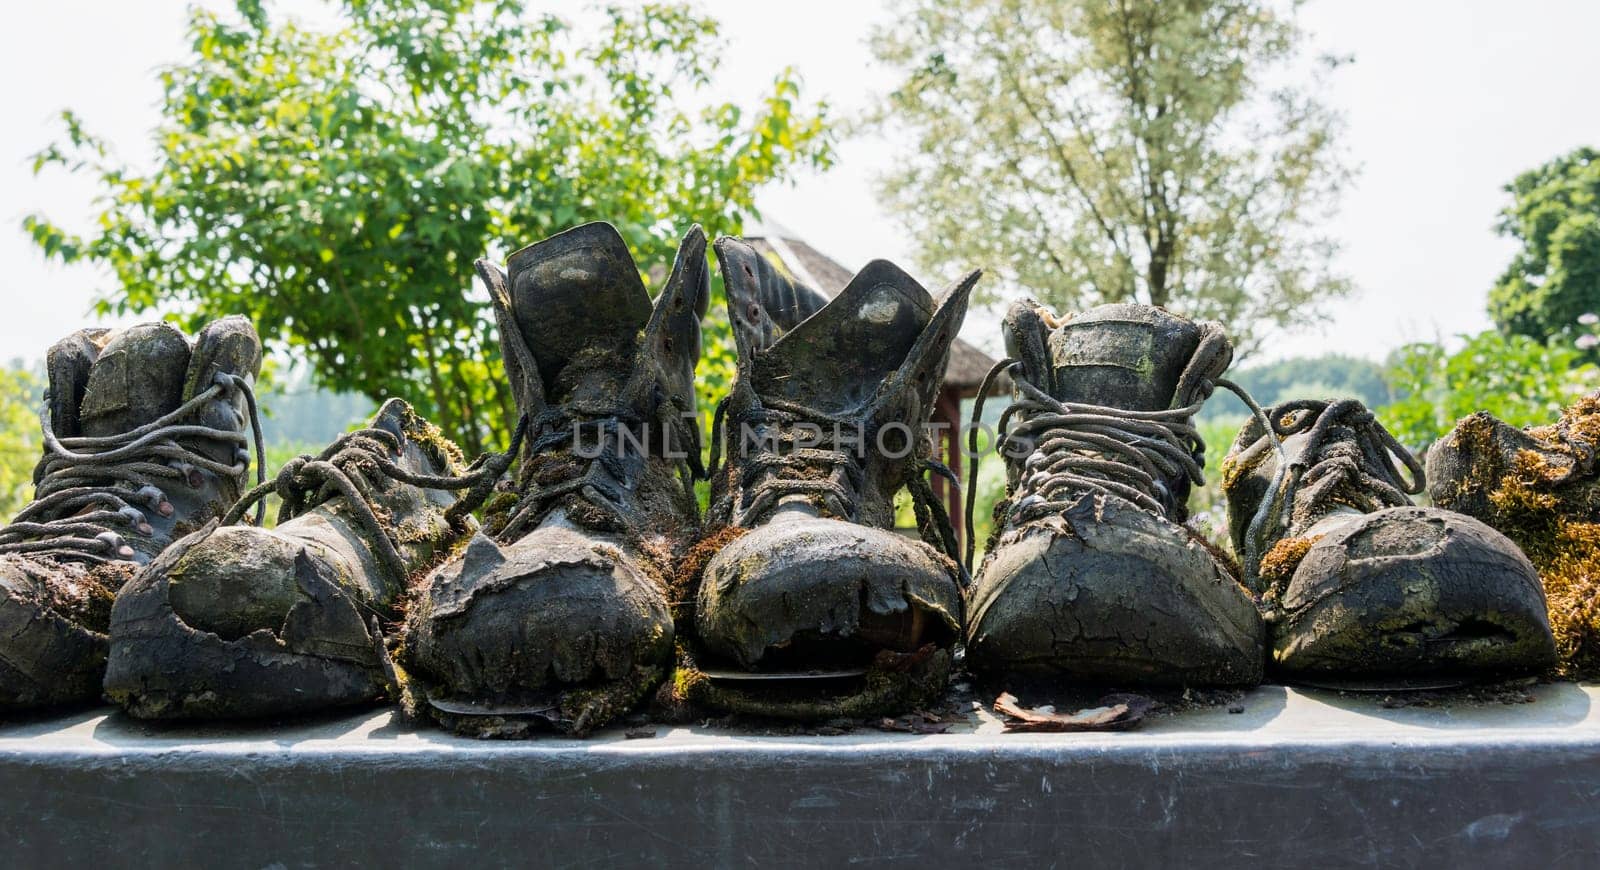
x=446 y=415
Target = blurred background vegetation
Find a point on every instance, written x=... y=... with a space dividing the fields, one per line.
x=335 y=185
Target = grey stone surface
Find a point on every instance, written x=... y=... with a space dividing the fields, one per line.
x=1299 y=776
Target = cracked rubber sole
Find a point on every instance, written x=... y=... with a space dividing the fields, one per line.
x=1398 y=684
x=573 y=710
x=781 y=676
x=896 y=683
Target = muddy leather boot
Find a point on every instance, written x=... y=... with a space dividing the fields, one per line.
x=145 y=441
x=1091 y=575
x=557 y=616
x=238 y=621
x=807 y=604
x=1540 y=487
x=1361 y=587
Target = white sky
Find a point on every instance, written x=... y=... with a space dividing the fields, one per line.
x=1446 y=102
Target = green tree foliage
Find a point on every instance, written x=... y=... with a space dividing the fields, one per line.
x=1326 y=376
x=336 y=185
x=1555 y=278
x=1130 y=151
x=298 y=413
x=1208 y=509
x=20 y=441
x=1318 y=377
x=1520 y=380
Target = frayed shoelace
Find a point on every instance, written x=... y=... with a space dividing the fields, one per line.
x=795 y=451
x=1348 y=458
x=608 y=475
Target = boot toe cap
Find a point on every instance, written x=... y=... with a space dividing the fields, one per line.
x=241 y=622
x=238 y=581
x=1412 y=591
x=811 y=588
x=1107 y=592
x=556 y=609
x=49 y=654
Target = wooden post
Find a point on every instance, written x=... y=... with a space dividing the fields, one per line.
x=947 y=414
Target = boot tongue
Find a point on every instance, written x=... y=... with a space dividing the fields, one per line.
x=137 y=378
x=226 y=346
x=835 y=360
x=580 y=306
x=1123 y=356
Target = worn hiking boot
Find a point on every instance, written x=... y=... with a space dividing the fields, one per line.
x=1091 y=574
x=806 y=602
x=237 y=621
x=558 y=617
x=145 y=441
x=1362 y=587
x=1541 y=488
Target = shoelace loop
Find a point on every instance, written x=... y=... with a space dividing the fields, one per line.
x=91 y=492
x=790 y=450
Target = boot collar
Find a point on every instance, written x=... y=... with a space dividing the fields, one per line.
x=585 y=275
x=853 y=356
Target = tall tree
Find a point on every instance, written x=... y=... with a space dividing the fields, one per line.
x=335 y=185
x=1555 y=278
x=1090 y=151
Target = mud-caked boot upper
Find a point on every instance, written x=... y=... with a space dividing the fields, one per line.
x=144 y=440
x=1477 y=467
x=801 y=573
x=1091 y=574
x=239 y=620
x=556 y=615
x=1540 y=487
x=1359 y=584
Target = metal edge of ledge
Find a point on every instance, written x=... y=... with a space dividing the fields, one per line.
x=1530 y=806
x=1311 y=779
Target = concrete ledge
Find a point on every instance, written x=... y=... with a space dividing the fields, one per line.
x=1298 y=775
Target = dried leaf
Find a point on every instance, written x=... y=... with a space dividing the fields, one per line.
x=1117 y=713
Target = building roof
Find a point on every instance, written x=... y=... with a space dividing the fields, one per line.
x=967 y=366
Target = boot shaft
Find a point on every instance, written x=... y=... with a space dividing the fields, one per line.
x=831 y=397
x=1134 y=357
x=1133 y=374
x=604 y=379
x=145 y=435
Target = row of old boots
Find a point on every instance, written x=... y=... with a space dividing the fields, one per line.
x=1093 y=574
x=594 y=578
